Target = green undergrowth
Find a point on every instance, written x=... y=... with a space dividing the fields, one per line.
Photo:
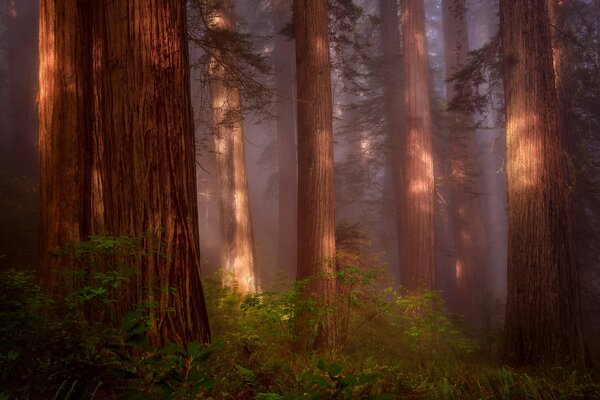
x=390 y=345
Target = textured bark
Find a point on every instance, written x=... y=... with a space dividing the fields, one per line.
x=286 y=138
x=466 y=210
x=542 y=315
x=316 y=214
x=22 y=63
x=66 y=107
x=117 y=148
x=237 y=242
x=417 y=246
x=392 y=58
x=560 y=32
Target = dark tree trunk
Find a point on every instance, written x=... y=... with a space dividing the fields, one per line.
x=466 y=210
x=316 y=219
x=417 y=246
x=392 y=60
x=543 y=318
x=286 y=138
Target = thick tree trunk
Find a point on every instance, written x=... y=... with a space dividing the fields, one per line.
x=316 y=215
x=286 y=138
x=66 y=109
x=237 y=241
x=466 y=210
x=116 y=115
x=417 y=246
x=542 y=315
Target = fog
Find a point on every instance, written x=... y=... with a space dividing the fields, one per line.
x=363 y=182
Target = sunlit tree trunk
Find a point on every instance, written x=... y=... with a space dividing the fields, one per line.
x=117 y=149
x=466 y=210
x=66 y=107
x=417 y=247
x=316 y=219
x=542 y=315
x=286 y=138
x=237 y=242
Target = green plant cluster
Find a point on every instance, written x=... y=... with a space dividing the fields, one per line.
x=392 y=345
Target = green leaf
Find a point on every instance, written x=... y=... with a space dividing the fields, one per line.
x=172 y=349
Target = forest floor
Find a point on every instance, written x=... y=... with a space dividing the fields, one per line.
x=390 y=346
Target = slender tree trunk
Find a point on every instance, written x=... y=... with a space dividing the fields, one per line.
x=316 y=214
x=543 y=315
x=237 y=242
x=466 y=209
x=117 y=148
x=66 y=107
x=417 y=254
x=286 y=138
x=392 y=59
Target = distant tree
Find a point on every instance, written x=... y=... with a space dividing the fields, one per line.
x=416 y=208
x=393 y=101
x=316 y=219
x=117 y=150
x=466 y=210
x=237 y=242
x=284 y=63
x=543 y=320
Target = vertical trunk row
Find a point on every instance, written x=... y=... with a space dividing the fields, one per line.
x=542 y=315
x=316 y=219
x=286 y=138
x=237 y=243
x=417 y=247
x=466 y=210
x=117 y=149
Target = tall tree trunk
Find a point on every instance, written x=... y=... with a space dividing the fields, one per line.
x=117 y=148
x=543 y=320
x=66 y=110
x=237 y=242
x=392 y=59
x=286 y=138
x=316 y=214
x=417 y=254
x=466 y=210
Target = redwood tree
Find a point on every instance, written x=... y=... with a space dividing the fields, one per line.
x=316 y=219
x=543 y=315
x=417 y=247
x=284 y=60
x=66 y=109
x=237 y=241
x=117 y=149
x=466 y=211
x=393 y=102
